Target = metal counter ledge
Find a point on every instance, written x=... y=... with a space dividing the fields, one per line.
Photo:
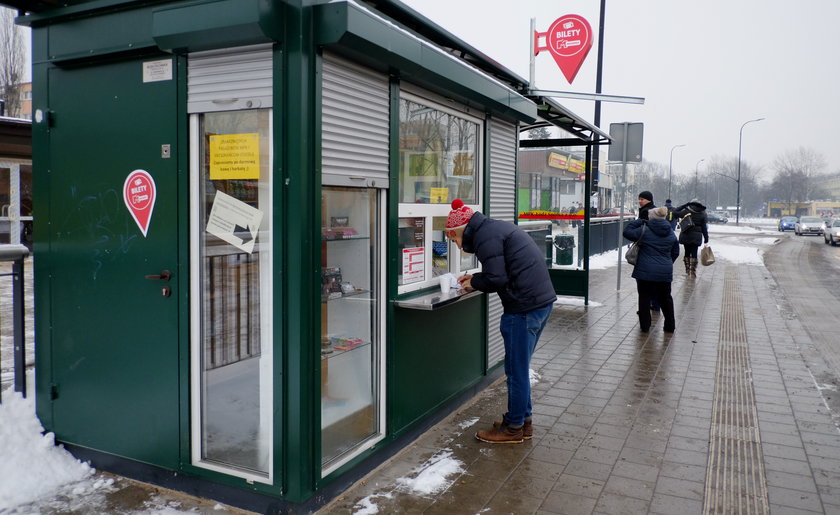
x=434 y=299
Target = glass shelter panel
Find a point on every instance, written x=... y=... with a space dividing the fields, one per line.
x=231 y=271
x=350 y=321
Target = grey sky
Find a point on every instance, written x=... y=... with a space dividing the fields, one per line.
x=704 y=69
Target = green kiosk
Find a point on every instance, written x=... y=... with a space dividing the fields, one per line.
x=238 y=235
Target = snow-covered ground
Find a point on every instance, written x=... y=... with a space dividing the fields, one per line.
x=33 y=470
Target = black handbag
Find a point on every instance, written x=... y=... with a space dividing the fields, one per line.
x=633 y=252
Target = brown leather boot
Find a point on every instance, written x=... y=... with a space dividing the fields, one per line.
x=527 y=428
x=693 y=267
x=505 y=433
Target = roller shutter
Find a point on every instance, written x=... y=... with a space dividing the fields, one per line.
x=503 y=150
x=229 y=79
x=354 y=125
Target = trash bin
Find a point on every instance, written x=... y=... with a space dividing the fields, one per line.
x=548 y=251
x=564 y=243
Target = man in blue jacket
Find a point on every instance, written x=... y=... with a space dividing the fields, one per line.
x=513 y=267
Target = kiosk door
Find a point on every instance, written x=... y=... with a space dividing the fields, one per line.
x=112 y=258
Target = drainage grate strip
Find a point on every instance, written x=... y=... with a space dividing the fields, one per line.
x=735 y=481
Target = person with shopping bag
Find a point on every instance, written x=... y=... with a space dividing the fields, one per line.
x=694 y=231
x=654 y=269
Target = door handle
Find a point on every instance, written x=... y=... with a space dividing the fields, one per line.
x=166 y=275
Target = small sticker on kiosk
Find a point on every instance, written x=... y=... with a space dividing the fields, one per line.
x=139 y=196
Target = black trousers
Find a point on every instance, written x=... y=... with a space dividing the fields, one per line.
x=661 y=291
x=691 y=250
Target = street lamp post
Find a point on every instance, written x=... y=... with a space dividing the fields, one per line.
x=738 y=194
x=670 y=167
x=695 y=176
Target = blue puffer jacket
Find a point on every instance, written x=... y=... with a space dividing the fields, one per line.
x=659 y=249
x=511 y=264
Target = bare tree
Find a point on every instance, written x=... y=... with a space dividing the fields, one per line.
x=539 y=133
x=795 y=171
x=12 y=58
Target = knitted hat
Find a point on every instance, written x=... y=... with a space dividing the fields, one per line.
x=646 y=195
x=459 y=216
x=658 y=213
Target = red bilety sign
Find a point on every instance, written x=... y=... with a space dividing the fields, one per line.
x=568 y=40
x=139 y=196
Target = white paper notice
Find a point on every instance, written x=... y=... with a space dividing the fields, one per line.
x=234 y=221
x=156 y=71
x=413 y=264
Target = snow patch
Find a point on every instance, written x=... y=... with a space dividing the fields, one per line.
x=432 y=476
x=31 y=466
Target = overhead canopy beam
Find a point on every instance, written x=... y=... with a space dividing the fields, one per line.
x=552 y=113
x=553 y=142
x=587 y=96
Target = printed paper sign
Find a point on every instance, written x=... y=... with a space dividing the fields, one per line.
x=439 y=195
x=413 y=264
x=234 y=156
x=156 y=71
x=139 y=196
x=234 y=221
x=568 y=40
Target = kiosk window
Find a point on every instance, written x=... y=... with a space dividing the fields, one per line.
x=438 y=155
x=440 y=159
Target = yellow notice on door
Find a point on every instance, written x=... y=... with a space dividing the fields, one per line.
x=234 y=156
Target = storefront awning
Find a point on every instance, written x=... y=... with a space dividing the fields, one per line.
x=552 y=113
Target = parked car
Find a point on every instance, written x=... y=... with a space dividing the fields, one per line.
x=723 y=215
x=787 y=223
x=808 y=225
x=832 y=231
x=713 y=218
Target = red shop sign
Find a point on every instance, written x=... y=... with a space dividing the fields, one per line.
x=568 y=40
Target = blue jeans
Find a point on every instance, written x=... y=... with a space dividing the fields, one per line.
x=521 y=331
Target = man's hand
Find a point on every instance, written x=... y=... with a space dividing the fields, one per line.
x=465 y=281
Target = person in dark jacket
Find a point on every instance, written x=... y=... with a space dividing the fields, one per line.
x=513 y=267
x=654 y=268
x=645 y=204
x=692 y=234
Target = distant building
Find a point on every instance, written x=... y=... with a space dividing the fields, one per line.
x=830 y=184
x=24 y=110
x=25 y=101
x=812 y=208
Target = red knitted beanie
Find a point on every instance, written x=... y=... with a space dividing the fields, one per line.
x=459 y=216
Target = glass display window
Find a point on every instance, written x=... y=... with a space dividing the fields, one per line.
x=351 y=320
x=440 y=160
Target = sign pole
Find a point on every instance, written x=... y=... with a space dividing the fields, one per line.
x=532 y=56
x=621 y=201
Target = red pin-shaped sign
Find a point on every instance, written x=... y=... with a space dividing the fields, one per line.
x=139 y=195
x=568 y=40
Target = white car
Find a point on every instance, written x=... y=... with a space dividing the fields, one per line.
x=808 y=225
x=832 y=231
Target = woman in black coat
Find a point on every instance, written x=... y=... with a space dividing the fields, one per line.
x=693 y=233
x=654 y=268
